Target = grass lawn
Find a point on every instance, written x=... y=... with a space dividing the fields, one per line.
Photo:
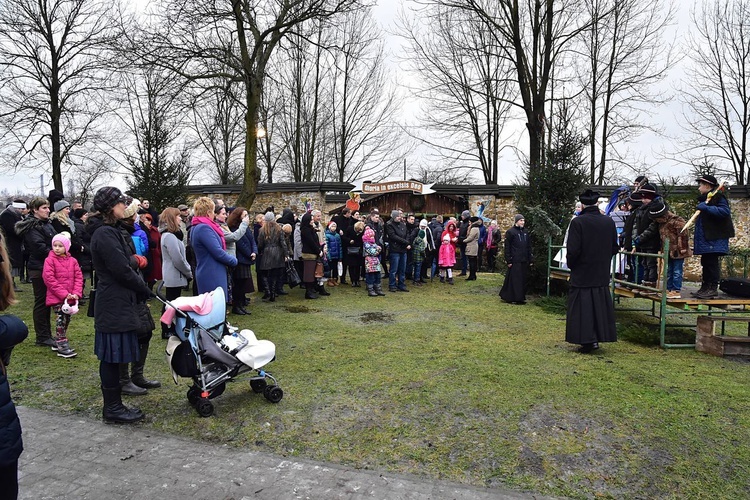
x=449 y=382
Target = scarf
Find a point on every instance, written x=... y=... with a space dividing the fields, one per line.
x=489 y=236
x=213 y=225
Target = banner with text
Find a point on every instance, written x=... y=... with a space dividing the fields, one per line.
x=392 y=186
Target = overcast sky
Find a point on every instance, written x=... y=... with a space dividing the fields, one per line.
x=649 y=145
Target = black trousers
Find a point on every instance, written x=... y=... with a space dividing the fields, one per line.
x=41 y=311
x=473 y=267
x=9 y=481
x=711 y=269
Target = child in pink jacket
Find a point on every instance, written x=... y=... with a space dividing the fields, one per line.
x=446 y=258
x=64 y=281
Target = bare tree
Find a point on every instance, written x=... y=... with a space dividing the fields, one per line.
x=89 y=176
x=718 y=86
x=52 y=68
x=366 y=142
x=625 y=54
x=197 y=40
x=531 y=35
x=464 y=84
x=217 y=119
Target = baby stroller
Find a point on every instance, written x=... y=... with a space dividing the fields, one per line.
x=210 y=352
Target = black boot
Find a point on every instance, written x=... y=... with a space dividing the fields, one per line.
x=321 y=289
x=700 y=290
x=136 y=374
x=711 y=292
x=127 y=385
x=267 y=294
x=115 y=411
x=310 y=291
x=238 y=310
x=371 y=291
x=379 y=289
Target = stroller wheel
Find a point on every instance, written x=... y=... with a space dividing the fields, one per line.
x=273 y=393
x=205 y=408
x=193 y=395
x=258 y=385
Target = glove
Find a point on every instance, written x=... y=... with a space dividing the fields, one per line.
x=141 y=260
x=702 y=206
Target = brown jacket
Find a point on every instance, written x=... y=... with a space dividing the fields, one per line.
x=669 y=229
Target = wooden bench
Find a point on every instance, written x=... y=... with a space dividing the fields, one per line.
x=707 y=341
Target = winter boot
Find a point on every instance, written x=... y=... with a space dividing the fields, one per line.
x=64 y=350
x=267 y=294
x=115 y=411
x=321 y=289
x=371 y=291
x=711 y=292
x=127 y=385
x=700 y=290
x=450 y=280
x=310 y=291
x=379 y=289
x=136 y=373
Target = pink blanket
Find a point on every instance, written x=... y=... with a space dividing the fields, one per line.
x=202 y=304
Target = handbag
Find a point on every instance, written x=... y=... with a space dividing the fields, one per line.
x=352 y=250
x=319 y=270
x=292 y=276
x=147 y=324
x=92 y=298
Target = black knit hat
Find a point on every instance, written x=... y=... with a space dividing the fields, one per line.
x=648 y=191
x=107 y=197
x=656 y=210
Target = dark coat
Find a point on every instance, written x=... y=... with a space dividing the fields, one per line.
x=517 y=246
x=378 y=229
x=37 y=240
x=714 y=226
x=8 y=220
x=397 y=235
x=13 y=331
x=592 y=241
x=354 y=259
x=645 y=236
x=272 y=249
x=83 y=257
x=310 y=241
x=119 y=286
x=463 y=230
x=627 y=233
x=246 y=246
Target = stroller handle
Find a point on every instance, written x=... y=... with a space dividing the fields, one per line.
x=166 y=302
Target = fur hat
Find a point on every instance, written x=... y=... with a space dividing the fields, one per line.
x=132 y=209
x=62 y=238
x=518 y=217
x=59 y=205
x=107 y=197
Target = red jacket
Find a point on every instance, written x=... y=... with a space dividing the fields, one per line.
x=63 y=276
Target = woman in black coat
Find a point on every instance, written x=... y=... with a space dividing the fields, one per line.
x=354 y=260
x=311 y=252
x=12 y=332
x=518 y=258
x=119 y=287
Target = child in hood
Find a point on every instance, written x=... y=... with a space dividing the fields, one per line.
x=333 y=247
x=372 y=263
x=64 y=280
x=446 y=259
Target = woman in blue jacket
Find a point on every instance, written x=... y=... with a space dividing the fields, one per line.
x=210 y=248
x=12 y=332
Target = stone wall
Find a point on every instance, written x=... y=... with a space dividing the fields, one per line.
x=501 y=209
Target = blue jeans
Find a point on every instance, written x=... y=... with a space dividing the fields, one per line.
x=417 y=271
x=371 y=279
x=397 y=264
x=674 y=274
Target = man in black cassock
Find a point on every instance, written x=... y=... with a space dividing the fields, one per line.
x=592 y=241
x=518 y=257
